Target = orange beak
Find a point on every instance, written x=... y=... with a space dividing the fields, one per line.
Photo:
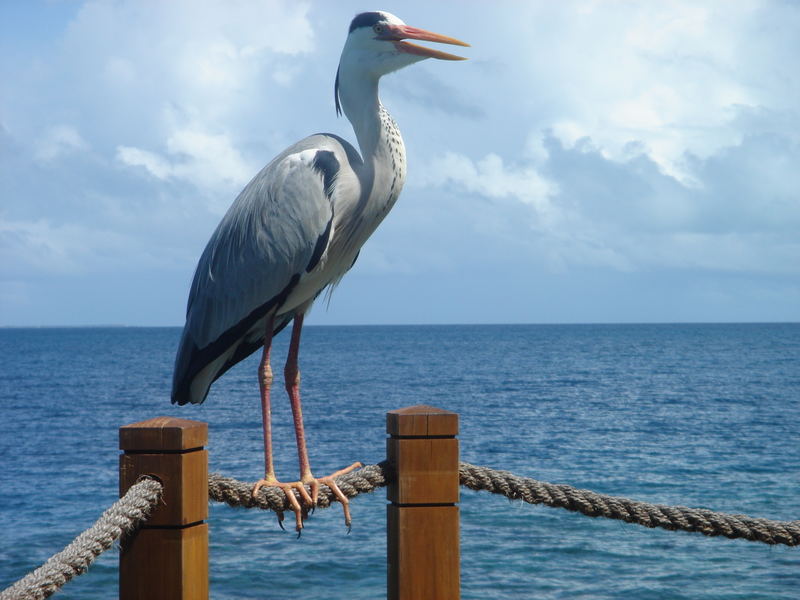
x=397 y=33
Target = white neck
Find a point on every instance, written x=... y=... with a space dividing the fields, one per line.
x=384 y=168
x=361 y=106
x=379 y=139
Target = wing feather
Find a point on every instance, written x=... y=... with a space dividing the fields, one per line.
x=276 y=231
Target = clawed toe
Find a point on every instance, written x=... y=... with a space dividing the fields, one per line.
x=308 y=501
x=330 y=481
x=300 y=511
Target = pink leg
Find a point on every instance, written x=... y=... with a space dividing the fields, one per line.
x=265 y=386
x=292 y=377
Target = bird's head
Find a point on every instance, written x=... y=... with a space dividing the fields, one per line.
x=376 y=46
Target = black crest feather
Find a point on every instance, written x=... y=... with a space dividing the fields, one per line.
x=336 y=95
x=365 y=19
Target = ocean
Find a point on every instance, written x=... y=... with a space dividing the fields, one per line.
x=697 y=415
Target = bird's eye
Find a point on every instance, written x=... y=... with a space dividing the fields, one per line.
x=377 y=28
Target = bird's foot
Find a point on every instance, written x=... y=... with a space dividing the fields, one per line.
x=331 y=483
x=300 y=510
x=308 y=500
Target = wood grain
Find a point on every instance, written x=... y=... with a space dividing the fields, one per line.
x=423 y=547
x=167 y=558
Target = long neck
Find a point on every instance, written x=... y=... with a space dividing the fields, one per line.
x=379 y=138
x=362 y=107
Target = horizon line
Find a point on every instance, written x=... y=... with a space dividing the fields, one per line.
x=505 y=324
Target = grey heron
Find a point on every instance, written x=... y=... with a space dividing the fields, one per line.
x=294 y=231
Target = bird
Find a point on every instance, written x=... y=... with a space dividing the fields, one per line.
x=294 y=231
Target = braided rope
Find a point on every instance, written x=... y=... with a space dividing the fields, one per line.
x=514 y=487
x=123 y=516
x=238 y=493
x=128 y=512
x=592 y=504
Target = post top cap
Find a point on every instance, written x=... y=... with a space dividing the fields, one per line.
x=163 y=434
x=422 y=421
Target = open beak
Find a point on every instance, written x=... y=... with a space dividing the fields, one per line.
x=397 y=33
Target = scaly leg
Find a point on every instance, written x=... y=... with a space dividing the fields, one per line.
x=265 y=385
x=292 y=375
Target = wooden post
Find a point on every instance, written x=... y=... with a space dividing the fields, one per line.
x=422 y=519
x=167 y=558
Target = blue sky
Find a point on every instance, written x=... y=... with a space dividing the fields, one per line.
x=593 y=161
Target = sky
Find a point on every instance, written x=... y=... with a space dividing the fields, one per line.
x=592 y=161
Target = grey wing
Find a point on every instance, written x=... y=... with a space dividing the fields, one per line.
x=275 y=232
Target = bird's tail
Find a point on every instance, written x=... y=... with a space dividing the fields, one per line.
x=185 y=388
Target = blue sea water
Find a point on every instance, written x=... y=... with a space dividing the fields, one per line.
x=697 y=415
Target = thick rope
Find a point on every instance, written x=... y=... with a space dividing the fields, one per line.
x=128 y=512
x=238 y=493
x=123 y=516
x=592 y=504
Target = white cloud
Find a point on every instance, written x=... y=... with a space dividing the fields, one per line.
x=167 y=87
x=40 y=247
x=588 y=209
x=580 y=135
x=133 y=73
x=32 y=248
x=58 y=141
x=153 y=163
x=663 y=133
x=198 y=158
x=491 y=178
x=671 y=76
